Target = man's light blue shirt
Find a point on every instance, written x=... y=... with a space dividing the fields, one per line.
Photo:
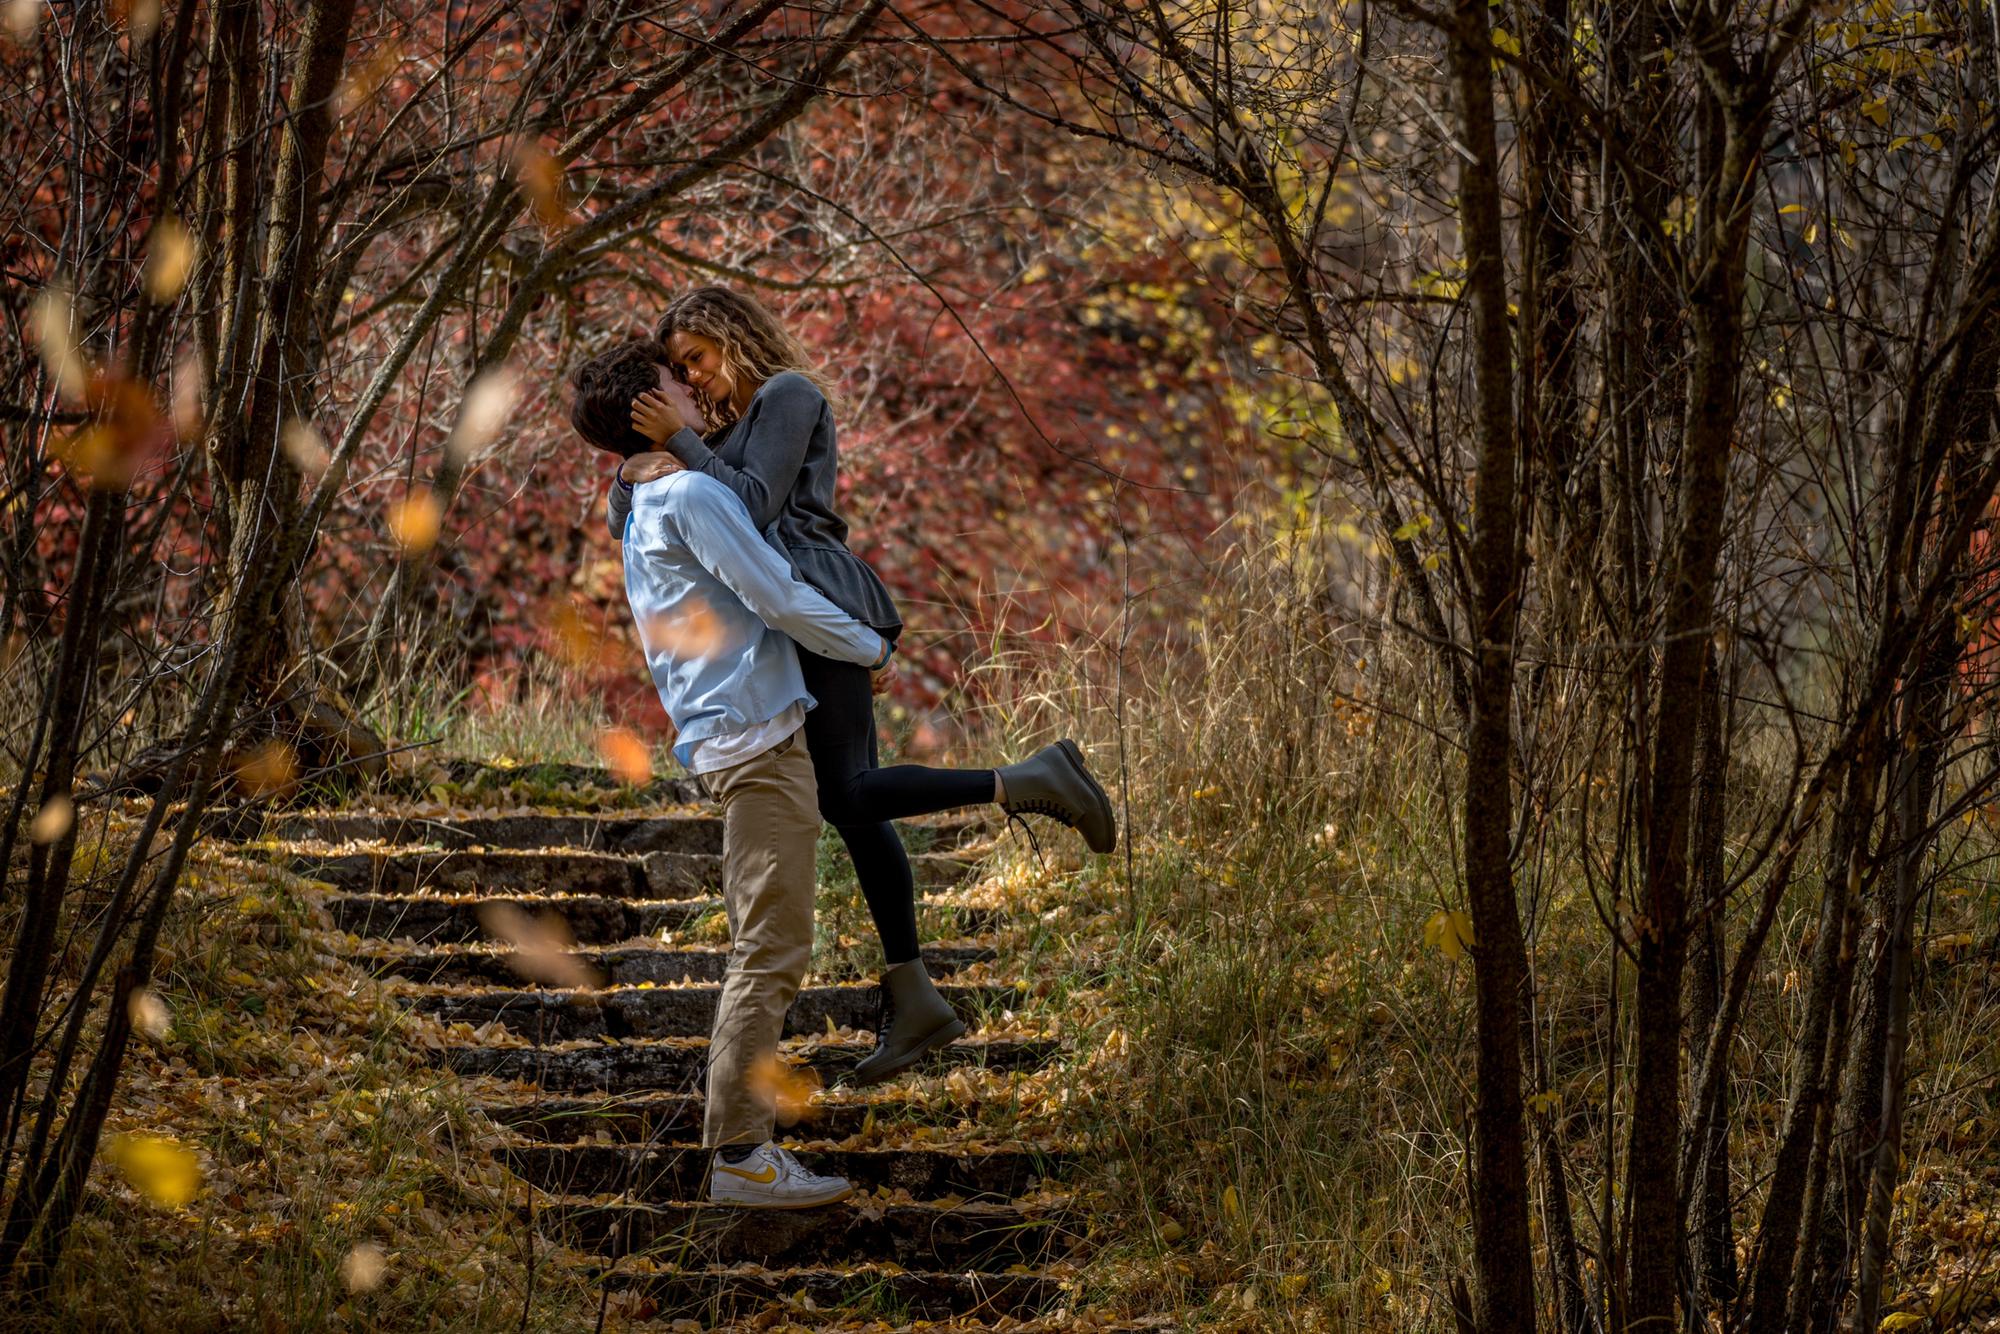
x=718 y=611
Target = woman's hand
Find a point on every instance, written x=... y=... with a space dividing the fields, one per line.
x=883 y=679
x=648 y=467
x=655 y=416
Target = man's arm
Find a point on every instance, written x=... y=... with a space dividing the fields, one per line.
x=716 y=530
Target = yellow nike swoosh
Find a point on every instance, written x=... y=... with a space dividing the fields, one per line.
x=763 y=1178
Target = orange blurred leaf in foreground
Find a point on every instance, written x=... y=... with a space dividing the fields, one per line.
x=170 y=256
x=305 y=448
x=578 y=642
x=790 y=1088
x=541 y=178
x=268 y=770
x=362 y=1268
x=53 y=820
x=163 y=1170
x=366 y=79
x=126 y=425
x=149 y=1014
x=414 y=521
x=541 y=946
x=691 y=630
x=626 y=756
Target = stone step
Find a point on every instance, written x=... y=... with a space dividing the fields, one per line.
x=718 y=1297
x=674 y=1012
x=590 y=919
x=922 y=1236
x=631 y=835
x=678 y=1064
x=655 y=875
x=670 y=1117
x=623 y=966
x=658 y=875
x=679 y=1172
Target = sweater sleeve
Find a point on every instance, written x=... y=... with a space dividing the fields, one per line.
x=787 y=411
x=717 y=532
x=618 y=506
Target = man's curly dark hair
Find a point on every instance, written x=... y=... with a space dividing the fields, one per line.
x=602 y=390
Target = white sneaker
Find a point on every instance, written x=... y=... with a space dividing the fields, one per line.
x=771 y=1178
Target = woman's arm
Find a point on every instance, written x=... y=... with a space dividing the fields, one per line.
x=788 y=411
x=631 y=472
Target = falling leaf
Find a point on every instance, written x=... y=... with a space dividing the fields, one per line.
x=414 y=521
x=788 y=1088
x=53 y=321
x=361 y=1269
x=161 y=1169
x=366 y=79
x=149 y=1014
x=690 y=630
x=1449 y=931
x=124 y=428
x=489 y=400
x=305 y=447
x=53 y=820
x=626 y=756
x=541 y=179
x=170 y=256
x=268 y=770
x=541 y=946
x=579 y=642
x=23 y=18
x=188 y=417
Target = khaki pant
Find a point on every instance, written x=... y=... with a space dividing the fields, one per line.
x=770 y=826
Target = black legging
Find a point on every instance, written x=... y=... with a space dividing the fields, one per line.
x=859 y=799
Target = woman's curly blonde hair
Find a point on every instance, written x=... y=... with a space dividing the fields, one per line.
x=754 y=344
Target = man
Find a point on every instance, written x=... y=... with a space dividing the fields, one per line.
x=718 y=611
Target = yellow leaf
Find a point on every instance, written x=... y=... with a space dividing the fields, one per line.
x=170 y=254
x=1232 y=1207
x=1292 y=1285
x=1448 y=931
x=1793 y=208
x=1877 y=110
x=1900 y=1320
x=163 y=1170
x=1171 y=1231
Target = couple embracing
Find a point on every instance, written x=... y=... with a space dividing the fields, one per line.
x=766 y=637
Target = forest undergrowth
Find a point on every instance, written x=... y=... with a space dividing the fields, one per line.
x=1267 y=993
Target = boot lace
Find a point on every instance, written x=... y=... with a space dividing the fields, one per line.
x=1041 y=806
x=885 y=1014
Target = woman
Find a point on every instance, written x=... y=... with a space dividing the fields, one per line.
x=775 y=448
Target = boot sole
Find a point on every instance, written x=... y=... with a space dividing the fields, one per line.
x=1070 y=749
x=949 y=1033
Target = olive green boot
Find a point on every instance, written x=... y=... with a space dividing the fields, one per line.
x=913 y=1022
x=1053 y=782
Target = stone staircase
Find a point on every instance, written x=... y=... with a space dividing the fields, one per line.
x=597 y=1090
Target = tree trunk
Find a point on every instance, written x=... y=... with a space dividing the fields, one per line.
x=1500 y=1170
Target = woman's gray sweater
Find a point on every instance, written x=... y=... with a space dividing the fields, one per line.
x=780 y=458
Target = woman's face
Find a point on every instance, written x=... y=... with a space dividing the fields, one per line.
x=700 y=363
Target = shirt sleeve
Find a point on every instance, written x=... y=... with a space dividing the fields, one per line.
x=717 y=532
x=788 y=410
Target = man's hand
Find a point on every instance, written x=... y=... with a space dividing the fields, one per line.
x=648 y=467
x=655 y=416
